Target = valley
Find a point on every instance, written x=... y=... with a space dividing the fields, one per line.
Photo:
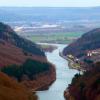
x=50 y=56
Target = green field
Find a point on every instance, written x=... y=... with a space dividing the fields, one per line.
x=56 y=37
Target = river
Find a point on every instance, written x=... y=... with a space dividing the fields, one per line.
x=64 y=76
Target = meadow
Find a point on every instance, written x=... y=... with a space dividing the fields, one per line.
x=62 y=38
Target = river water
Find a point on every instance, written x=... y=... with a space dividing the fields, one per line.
x=64 y=76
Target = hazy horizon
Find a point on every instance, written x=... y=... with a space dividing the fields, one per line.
x=49 y=3
x=46 y=7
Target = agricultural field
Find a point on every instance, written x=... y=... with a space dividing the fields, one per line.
x=62 y=38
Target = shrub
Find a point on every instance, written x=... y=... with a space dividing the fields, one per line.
x=30 y=68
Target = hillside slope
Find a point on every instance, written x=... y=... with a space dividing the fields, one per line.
x=8 y=35
x=10 y=54
x=11 y=90
x=16 y=50
x=89 y=41
x=86 y=86
x=24 y=61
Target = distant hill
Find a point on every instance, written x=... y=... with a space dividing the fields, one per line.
x=55 y=13
x=88 y=41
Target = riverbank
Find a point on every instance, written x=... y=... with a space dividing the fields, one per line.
x=40 y=81
x=72 y=63
x=85 y=86
x=48 y=47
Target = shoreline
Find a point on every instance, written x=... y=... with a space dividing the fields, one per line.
x=43 y=81
x=48 y=47
x=72 y=64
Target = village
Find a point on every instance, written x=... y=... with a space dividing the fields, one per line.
x=83 y=63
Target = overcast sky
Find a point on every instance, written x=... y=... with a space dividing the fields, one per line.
x=50 y=3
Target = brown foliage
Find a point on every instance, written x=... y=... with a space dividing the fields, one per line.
x=86 y=86
x=11 y=90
